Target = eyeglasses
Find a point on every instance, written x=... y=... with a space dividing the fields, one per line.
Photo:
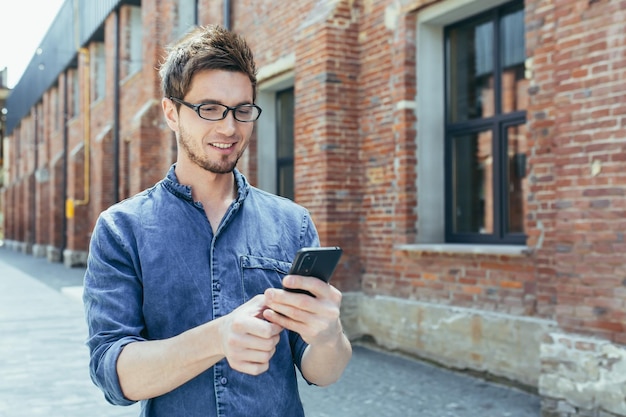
x=216 y=111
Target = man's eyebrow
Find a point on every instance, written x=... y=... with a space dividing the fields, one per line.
x=212 y=101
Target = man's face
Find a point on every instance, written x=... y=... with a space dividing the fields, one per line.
x=215 y=146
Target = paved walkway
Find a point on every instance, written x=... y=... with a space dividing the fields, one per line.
x=43 y=363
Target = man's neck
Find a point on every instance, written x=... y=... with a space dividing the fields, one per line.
x=207 y=187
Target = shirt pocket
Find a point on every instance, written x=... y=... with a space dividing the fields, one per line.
x=259 y=273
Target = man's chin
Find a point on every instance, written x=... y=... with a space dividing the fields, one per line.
x=219 y=168
x=221 y=171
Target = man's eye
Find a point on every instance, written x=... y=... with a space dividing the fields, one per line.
x=210 y=108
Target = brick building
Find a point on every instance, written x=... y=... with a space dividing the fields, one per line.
x=465 y=154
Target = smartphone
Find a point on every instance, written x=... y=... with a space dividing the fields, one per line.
x=315 y=262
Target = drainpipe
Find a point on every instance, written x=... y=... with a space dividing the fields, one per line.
x=227 y=14
x=33 y=202
x=116 y=111
x=71 y=203
x=65 y=161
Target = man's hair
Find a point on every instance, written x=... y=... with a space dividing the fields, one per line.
x=205 y=48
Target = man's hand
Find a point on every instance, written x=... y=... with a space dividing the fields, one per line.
x=316 y=319
x=248 y=341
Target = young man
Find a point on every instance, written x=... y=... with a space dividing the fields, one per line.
x=183 y=290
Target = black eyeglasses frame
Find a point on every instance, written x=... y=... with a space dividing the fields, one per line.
x=196 y=108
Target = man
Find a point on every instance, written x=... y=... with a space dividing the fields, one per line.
x=183 y=289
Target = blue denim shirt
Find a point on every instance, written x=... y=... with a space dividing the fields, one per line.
x=156 y=269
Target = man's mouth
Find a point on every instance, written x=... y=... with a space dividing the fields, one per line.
x=222 y=145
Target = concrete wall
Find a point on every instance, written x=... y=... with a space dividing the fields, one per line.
x=496 y=344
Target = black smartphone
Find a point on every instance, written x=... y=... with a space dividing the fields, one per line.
x=315 y=262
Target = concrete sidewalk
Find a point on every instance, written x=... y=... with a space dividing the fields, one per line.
x=43 y=358
x=43 y=363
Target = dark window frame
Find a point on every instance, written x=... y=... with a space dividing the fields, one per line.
x=283 y=162
x=497 y=124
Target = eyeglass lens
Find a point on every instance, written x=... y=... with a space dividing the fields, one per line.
x=243 y=113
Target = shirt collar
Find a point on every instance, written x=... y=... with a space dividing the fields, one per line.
x=184 y=191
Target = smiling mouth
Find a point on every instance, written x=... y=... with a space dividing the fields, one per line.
x=222 y=145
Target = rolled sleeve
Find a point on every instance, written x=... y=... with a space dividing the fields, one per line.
x=103 y=371
x=113 y=303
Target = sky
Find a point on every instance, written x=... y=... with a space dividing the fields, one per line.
x=23 y=24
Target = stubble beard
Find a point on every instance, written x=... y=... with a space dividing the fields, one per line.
x=195 y=155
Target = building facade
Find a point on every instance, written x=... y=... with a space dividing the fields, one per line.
x=467 y=155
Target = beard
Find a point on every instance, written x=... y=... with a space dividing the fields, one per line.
x=195 y=153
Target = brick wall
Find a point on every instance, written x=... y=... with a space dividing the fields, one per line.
x=590 y=115
x=327 y=160
x=576 y=124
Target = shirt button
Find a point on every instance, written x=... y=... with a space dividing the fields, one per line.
x=218 y=286
x=223 y=380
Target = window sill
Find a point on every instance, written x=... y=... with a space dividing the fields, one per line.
x=461 y=248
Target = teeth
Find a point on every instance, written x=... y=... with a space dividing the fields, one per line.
x=222 y=145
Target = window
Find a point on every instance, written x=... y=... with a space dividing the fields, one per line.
x=485 y=141
x=39 y=124
x=98 y=71
x=56 y=108
x=75 y=88
x=433 y=24
x=135 y=40
x=275 y=128
x=284 y=143
x=187 y=12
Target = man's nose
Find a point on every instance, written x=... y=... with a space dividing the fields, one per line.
x=228 y=124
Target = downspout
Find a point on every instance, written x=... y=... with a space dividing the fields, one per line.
x=65 y=160
x=227 y=14
x=116 y=111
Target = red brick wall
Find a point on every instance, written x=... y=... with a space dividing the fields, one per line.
x=327 y=160
x=575 y=119
x=388 y=65
x=540 y=223
x=589 y=132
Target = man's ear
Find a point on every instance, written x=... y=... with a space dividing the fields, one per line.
x=171 y=113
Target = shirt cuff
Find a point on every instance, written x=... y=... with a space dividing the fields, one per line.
x=105 y=375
